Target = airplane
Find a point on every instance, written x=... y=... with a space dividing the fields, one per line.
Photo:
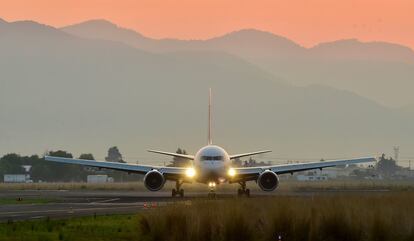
x=211 y=165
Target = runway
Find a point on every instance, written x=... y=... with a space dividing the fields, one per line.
x=75 y=203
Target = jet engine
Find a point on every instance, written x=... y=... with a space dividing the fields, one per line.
x=154 y=180
x=268 y=181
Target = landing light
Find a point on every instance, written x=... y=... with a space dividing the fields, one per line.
x=190 y=172
x=231 y=172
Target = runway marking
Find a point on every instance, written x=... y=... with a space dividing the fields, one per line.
x=105 y=201
x=37 y=217
x=64 y=211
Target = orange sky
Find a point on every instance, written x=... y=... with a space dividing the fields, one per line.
x=304 y=21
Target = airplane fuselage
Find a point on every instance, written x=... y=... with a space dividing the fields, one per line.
x=211 y=164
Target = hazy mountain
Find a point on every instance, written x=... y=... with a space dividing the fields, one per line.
x=357 y=50
x=235 y=42
x=378 y=70
x=84 y=95
x=103 y=29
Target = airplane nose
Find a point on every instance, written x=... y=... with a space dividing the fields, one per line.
x=213 y=164
x=212 y=169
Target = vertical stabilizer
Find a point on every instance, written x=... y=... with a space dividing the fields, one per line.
x=210 y=141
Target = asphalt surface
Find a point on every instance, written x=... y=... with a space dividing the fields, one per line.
x=75 y=203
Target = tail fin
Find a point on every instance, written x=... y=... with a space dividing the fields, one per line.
x=210 y=141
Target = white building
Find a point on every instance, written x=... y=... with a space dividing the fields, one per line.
x=311 y=178
x=317 y=175
x=99 y=179
x=17 y=178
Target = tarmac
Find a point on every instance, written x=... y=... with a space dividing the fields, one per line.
x=74 y=203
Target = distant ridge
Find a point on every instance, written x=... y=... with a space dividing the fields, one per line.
x=347 y=64
x=103 y=29
x=257 y=35
x=99 y=25
x=94 y=22
x=354 y=48
x=247 y=43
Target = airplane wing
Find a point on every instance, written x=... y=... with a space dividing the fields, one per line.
x=170 y=173
x=190 y=157
x=251 y=173
x=248 y=154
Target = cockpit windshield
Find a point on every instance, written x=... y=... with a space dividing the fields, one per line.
x=212 y=158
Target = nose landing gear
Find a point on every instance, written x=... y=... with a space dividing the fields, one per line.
x=243 y=190
x=177 y=190
x=212 y=193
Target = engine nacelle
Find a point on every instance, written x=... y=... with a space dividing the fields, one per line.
x=154 y=180
x=268 y=181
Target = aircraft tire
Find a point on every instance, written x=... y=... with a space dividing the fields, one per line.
x=181 y=192
x=212 y=195
x=247 y=192
x=173 y=192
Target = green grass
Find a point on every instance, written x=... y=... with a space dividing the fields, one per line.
x=10 y=201
x=340 y=217
x=330 y=217
x=99 y=228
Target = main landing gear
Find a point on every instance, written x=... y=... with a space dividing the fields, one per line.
x=177 y=191
x=243 y=190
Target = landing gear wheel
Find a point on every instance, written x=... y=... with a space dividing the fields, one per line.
x=181 y=193
x=173 y=192
x=243 y=190
x=177 y=191
x=247 y=192
x=212 y=195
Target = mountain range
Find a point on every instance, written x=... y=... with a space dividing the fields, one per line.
x=64 y=90
x=380 y=71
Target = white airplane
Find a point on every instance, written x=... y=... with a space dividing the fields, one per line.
x=210 y=165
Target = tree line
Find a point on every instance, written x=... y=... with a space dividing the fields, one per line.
x=45 y=171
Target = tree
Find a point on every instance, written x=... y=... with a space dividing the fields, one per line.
x=237 y=162
x=179 y=161
x=57 y=172
x=11 y=164
x=114 y=155
x=60 y=153
x=387 y=167
x=86 y=156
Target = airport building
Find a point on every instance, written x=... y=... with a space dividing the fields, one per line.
x=99 y=179
x=17 y=178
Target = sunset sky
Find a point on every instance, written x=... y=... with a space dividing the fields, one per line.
x=307 y=22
